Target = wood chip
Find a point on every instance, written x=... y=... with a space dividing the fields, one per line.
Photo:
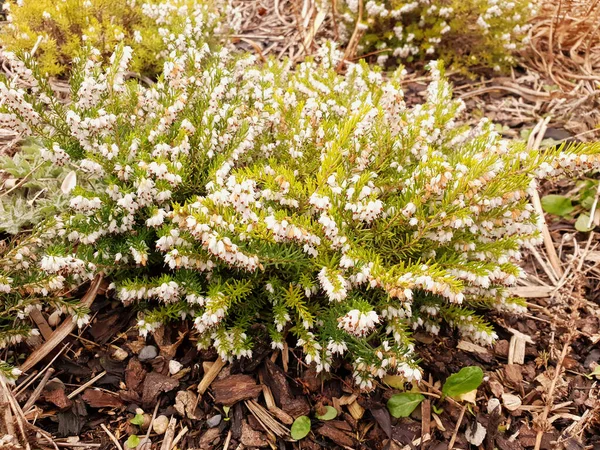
x=54 y=393
x=276 y=379
x=209 y=439
x=268 y=396
x=514 y=374
x=235 y=388
x=154 y=384
x=252 y=438
x=134 y=374
x=101 y=399
x=532 y=291
x=426 y=419
x=271 y=426
x=167 y=443
x=516 y=349
x=438 y=422
x=355 y=410
x=347 y=399
x=336 y=435
x=472 y=348
x=281 y=415
x=40 y=321
x=185 y=404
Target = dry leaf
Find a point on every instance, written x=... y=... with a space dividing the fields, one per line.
x=438 y=422
x=395 y=381
x=185 y=403
x=469 y=396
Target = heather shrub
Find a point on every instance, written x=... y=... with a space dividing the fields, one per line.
x=58 y=30
x=465 y=34
x=280 y=203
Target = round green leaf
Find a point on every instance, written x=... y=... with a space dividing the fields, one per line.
x=581 y=224
x=138 y=420
x=133 y=441
x=402 y=405
x=466 y=380
x=330 y=413
x=557 y=204
x=300 y=428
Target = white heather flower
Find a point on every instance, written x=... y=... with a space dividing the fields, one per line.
x=409 y=210
x=358 y=323
x=140 y=257
x=81 y=320
x=9 y=377
x=145 y=327
x=5 y=284
x=482 y=23
x=334 y=288
x=337 y=347
x=277 y=345
x=167 y=292
x=408 y=372
x=157 y=218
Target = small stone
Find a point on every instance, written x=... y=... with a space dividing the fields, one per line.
x=214 y=421
x=160 y=424
x=119 y=354
x=174 y=367
x=475 y=434
x=148 y=352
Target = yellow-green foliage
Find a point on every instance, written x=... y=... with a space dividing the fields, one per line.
x=65 y=26
x=463 y=33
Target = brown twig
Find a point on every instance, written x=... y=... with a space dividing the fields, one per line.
x=38 y=390
x=111 y=437
x=63 y=330
x=356 y=34
x=535 y=139
x=180 y=435
x=550 y=398
x=85 y=386
x=457 y=427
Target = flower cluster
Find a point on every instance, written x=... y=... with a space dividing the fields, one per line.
x=316 y=203
x=56 y=31
x=465 y=34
